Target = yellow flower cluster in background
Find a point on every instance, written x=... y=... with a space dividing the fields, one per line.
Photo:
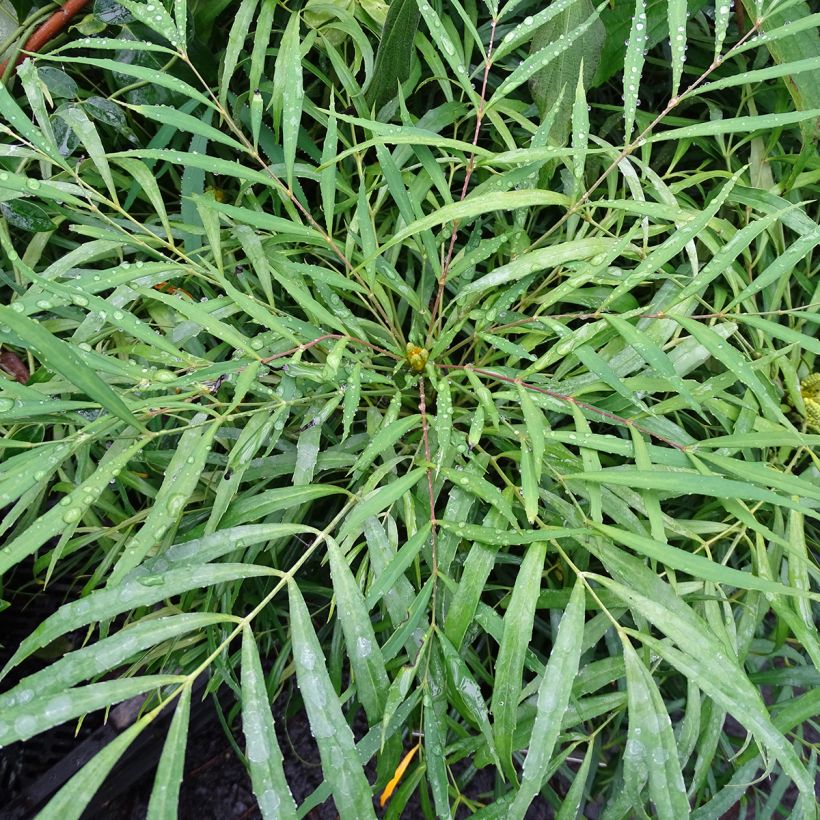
x=810 y=390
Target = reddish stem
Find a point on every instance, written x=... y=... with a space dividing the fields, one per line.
x=431 y=497
x=567 y=398
x=49 y=29
x=313 y=342
x=639 y=140
x=445 y=268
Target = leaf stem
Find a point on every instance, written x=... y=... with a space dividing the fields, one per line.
x=445 y=268
x=673 y=103
x=430 y=494
x=621 y=420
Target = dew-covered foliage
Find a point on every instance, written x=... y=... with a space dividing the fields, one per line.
x=443 y=369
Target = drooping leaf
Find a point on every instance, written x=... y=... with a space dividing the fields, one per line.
x=340 y=762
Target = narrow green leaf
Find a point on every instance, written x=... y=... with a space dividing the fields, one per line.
x=397 y=565
x=475 y=206
x=735 y=125
x=13 y=115
x=443 y=423
x=122 y=319
x=435 y=737
x=676 y=20
x=261 y=43
x=337 y=748
x=703 y=659
x=468 y=692
x=470 y=482
x=721 y=261
x=289 y=63
x=399 y=597
x=736 y=363
x=180 y=482
x=653 y=356
x=518 y=624
x=142 y=175
x=759 y=75
x=462 y=609
x=240 y=27
x=261 y=746
x=180 y=121
x=553 y=699
x=142 y=590
x=650 y=745
x=378 y=500
x=529 y=482
x=181 y=20
x=307 y=447
x=522 y=32
x=67 y=514
x=396 y=694
x=679 y=482
x=327 y=174
x=165 y=793
x=27 y=216
x=633 y=65
x=69 y=803
x=535 y=425
x=155 y=17
x=660 y=255
x=62 y=358
x=502 y=537
x=78 y=121
x=538 y=261
x=37 y=715
x=353 y=393
x=571 y=804
x=254 y=507
x=202 y=317
x=447 y=48
x=722 y=15
x=363 y=650
x=789 y=32
x=558 y=50
x=383 y=440
x=105 y=655
x=787 y=334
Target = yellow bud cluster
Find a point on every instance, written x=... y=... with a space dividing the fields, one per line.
x=417 y=357
x=810 y=390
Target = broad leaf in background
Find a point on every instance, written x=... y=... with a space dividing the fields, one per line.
x=556 y=82
x=805 y=86
x=395 y=53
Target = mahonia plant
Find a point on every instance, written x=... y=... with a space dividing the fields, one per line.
x=404 y=364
